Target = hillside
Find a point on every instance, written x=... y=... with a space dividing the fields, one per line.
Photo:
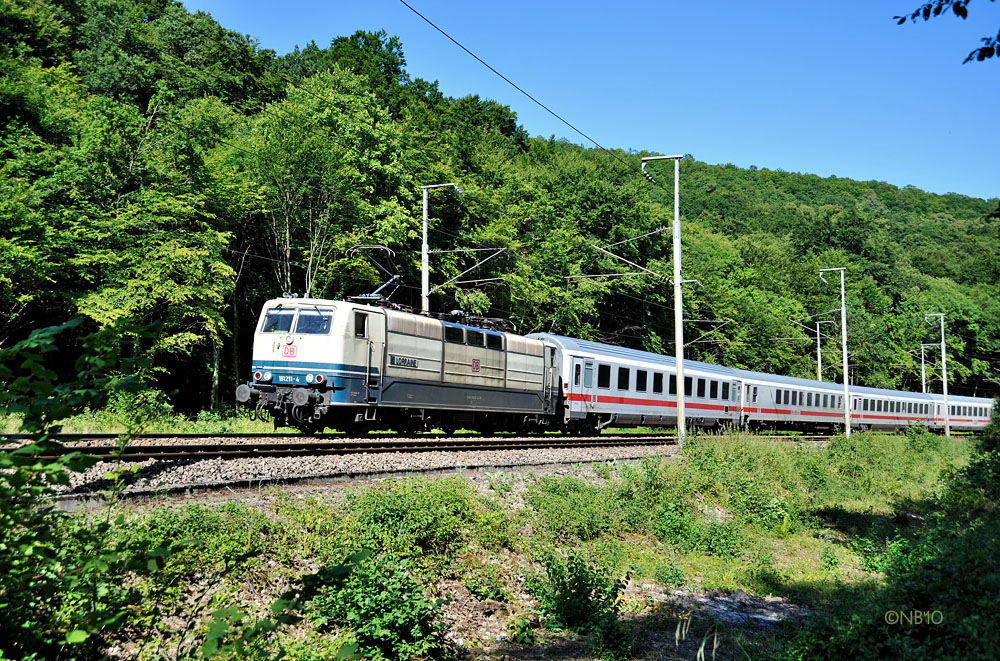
x=158 y=167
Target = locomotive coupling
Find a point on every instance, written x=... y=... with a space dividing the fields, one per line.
x=245 y=394
x=303 y=397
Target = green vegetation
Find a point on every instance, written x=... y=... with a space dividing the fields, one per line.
x=864 y=530
x=157 y=166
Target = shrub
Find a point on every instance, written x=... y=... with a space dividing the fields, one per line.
x=570 y=508
x=575 y=595
x=669 y=573
x=385 y=610
x=412 y=516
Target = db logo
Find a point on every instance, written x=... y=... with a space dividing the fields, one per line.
x=475 y=364
x=289 y=351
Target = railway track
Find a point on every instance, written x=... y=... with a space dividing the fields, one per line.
x=136 y=451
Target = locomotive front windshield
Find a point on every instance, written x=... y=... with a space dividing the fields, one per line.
x=278 y=320
x=314 y=322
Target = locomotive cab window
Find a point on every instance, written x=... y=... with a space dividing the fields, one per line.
x=475 y=338
x=604 y=376
x=623 y=378
x=640 y=380
x=277 y=320
x=494 y=342
x=360 y=324
x=658 y=382
x=314 y=322
x=454 y=334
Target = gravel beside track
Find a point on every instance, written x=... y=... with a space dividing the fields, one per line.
x=192 y=475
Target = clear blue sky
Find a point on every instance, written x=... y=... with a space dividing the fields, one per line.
x=828 y=88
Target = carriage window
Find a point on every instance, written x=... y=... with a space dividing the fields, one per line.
x=701 y=387
x=604 y=376
x=713 y=390
x=688 y=381
x=475 y=338
x=826 y=401
x=809 y=399
x=673 y=384
x=864 y=404
x=840 y=402
x=314 y=322
x=576 y=374
x=277 y=320
x=795 y=398
x=360 y=324
x=657 y=382
x=725 y=391
x=494 y=342
x=640 y=380
x=788 y=396
x=735 y=391
x=623 y=378
x=588 y=376
x=454 y=334
x=755 y=394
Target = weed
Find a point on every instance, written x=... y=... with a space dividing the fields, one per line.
x=828 y=556
x=604 y=469
x=485 y=581
x=568 y=508
x=501 y=482
x=521 y=632
x=669 y=573
x=413 y=516
x=385 y=610
x=575 y=595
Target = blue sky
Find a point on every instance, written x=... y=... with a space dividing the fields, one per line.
x=828 y=88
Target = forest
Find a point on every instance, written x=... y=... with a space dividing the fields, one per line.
x=159 y=168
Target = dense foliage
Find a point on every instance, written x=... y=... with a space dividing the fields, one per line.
x=156 y=166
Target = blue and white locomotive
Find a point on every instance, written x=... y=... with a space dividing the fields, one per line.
x=349 y=366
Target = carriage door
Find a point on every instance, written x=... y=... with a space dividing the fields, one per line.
x=582 y=391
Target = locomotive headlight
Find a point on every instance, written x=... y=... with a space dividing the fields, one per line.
x=320 y=378
x=309 y=378
x=267 y=376
x=256 y=376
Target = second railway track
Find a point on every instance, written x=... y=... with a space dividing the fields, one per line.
x=188 y=451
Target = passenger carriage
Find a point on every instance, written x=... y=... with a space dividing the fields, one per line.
x=319 y=363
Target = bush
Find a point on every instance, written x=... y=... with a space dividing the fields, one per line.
x=575 y=595
x=385 y=610
x=570 y=508
x=670 y=574
x=412 y=516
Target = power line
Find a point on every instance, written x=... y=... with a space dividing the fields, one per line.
x=607 y=151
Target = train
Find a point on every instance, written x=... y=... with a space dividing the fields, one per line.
x=352 y=366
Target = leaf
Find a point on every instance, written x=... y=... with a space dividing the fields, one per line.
x=77 y=636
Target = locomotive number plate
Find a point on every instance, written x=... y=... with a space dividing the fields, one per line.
x=289 y=351
x=475 y=364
